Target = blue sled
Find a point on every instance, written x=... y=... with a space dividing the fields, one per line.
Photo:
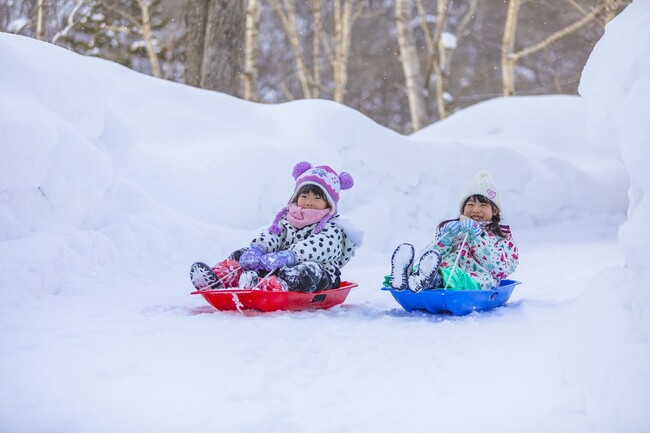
x=454 y=302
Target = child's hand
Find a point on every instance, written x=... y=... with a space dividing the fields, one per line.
x=448 y=232
x=452 y=228
x=274 y=260
x=251 y=258
x=472 y=228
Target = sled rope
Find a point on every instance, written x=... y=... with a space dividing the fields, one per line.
x=460 y=249
x=238 y=304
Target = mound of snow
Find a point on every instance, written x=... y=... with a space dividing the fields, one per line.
x=538 y=151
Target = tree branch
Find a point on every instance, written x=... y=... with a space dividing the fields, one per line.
x=558 y=35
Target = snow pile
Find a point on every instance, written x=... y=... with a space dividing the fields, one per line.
x=54 y=174
x=538 y=151
x=616 y=87
x=128 y=171
x=65 y=206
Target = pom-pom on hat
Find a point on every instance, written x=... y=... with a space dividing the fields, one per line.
x=322 y=176
x=482 y=184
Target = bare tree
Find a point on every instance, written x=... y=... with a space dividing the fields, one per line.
x=70 y=22
x=509 y=57
x=41 y=19
x=287 y=14
x=342 y=24
x=437 y=51
x=317 y=9
x=250 y=60
x=143 y=28
x=410 y=64
x=345 y=14
x=508 y=47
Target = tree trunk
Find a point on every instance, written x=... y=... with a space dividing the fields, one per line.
x=410 y=64
x=289 y=23
x=215 y=43
x=195 y=23
x=41 y=20
x=250 y=60
x=508 y=47
x=318 y=34
x=346 y=13
x=147 y=35
x=342 y=24
x=224 y=46
x=437 y=51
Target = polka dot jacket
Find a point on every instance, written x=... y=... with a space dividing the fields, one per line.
x=331 y=247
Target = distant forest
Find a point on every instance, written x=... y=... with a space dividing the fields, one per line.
x=403 y=63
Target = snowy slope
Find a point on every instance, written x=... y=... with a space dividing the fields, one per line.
x=112 y=183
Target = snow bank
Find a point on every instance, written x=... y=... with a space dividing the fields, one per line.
x=538 y=151
x=64 y=206
x=133 y=166
x=616 y=86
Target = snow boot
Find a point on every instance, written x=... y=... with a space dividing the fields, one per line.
x=228 y=271
x=248 y=279
x=203 y=278
x=401 y=263
x=427 y=275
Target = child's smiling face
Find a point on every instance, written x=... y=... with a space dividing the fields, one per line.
x=312 y=201
x=480 y=212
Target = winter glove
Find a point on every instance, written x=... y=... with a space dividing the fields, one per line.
x=472 y=228
x=251 y=258
x=448 y=232
x=274 y=260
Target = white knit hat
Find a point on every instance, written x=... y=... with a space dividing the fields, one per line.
x=482 y=184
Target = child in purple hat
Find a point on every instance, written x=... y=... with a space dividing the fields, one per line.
x=304 y=248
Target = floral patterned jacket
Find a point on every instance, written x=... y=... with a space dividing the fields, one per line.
x=488 y=258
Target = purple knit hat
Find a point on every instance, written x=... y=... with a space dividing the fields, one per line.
x=322 y=176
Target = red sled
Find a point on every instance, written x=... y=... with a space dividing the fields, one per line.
x=265 y=301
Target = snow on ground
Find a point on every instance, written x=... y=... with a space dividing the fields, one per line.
x=112 y=183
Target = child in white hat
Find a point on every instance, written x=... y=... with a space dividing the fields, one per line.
x=483 y=248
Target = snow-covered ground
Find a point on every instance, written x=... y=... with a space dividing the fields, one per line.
x=112 y=183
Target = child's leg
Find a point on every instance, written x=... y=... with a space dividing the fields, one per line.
x=306 y=277
x=248 y=279
x=228 y=271
x=427 y=275
x=237 y=254
x=203 y=278
x=401 y=263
